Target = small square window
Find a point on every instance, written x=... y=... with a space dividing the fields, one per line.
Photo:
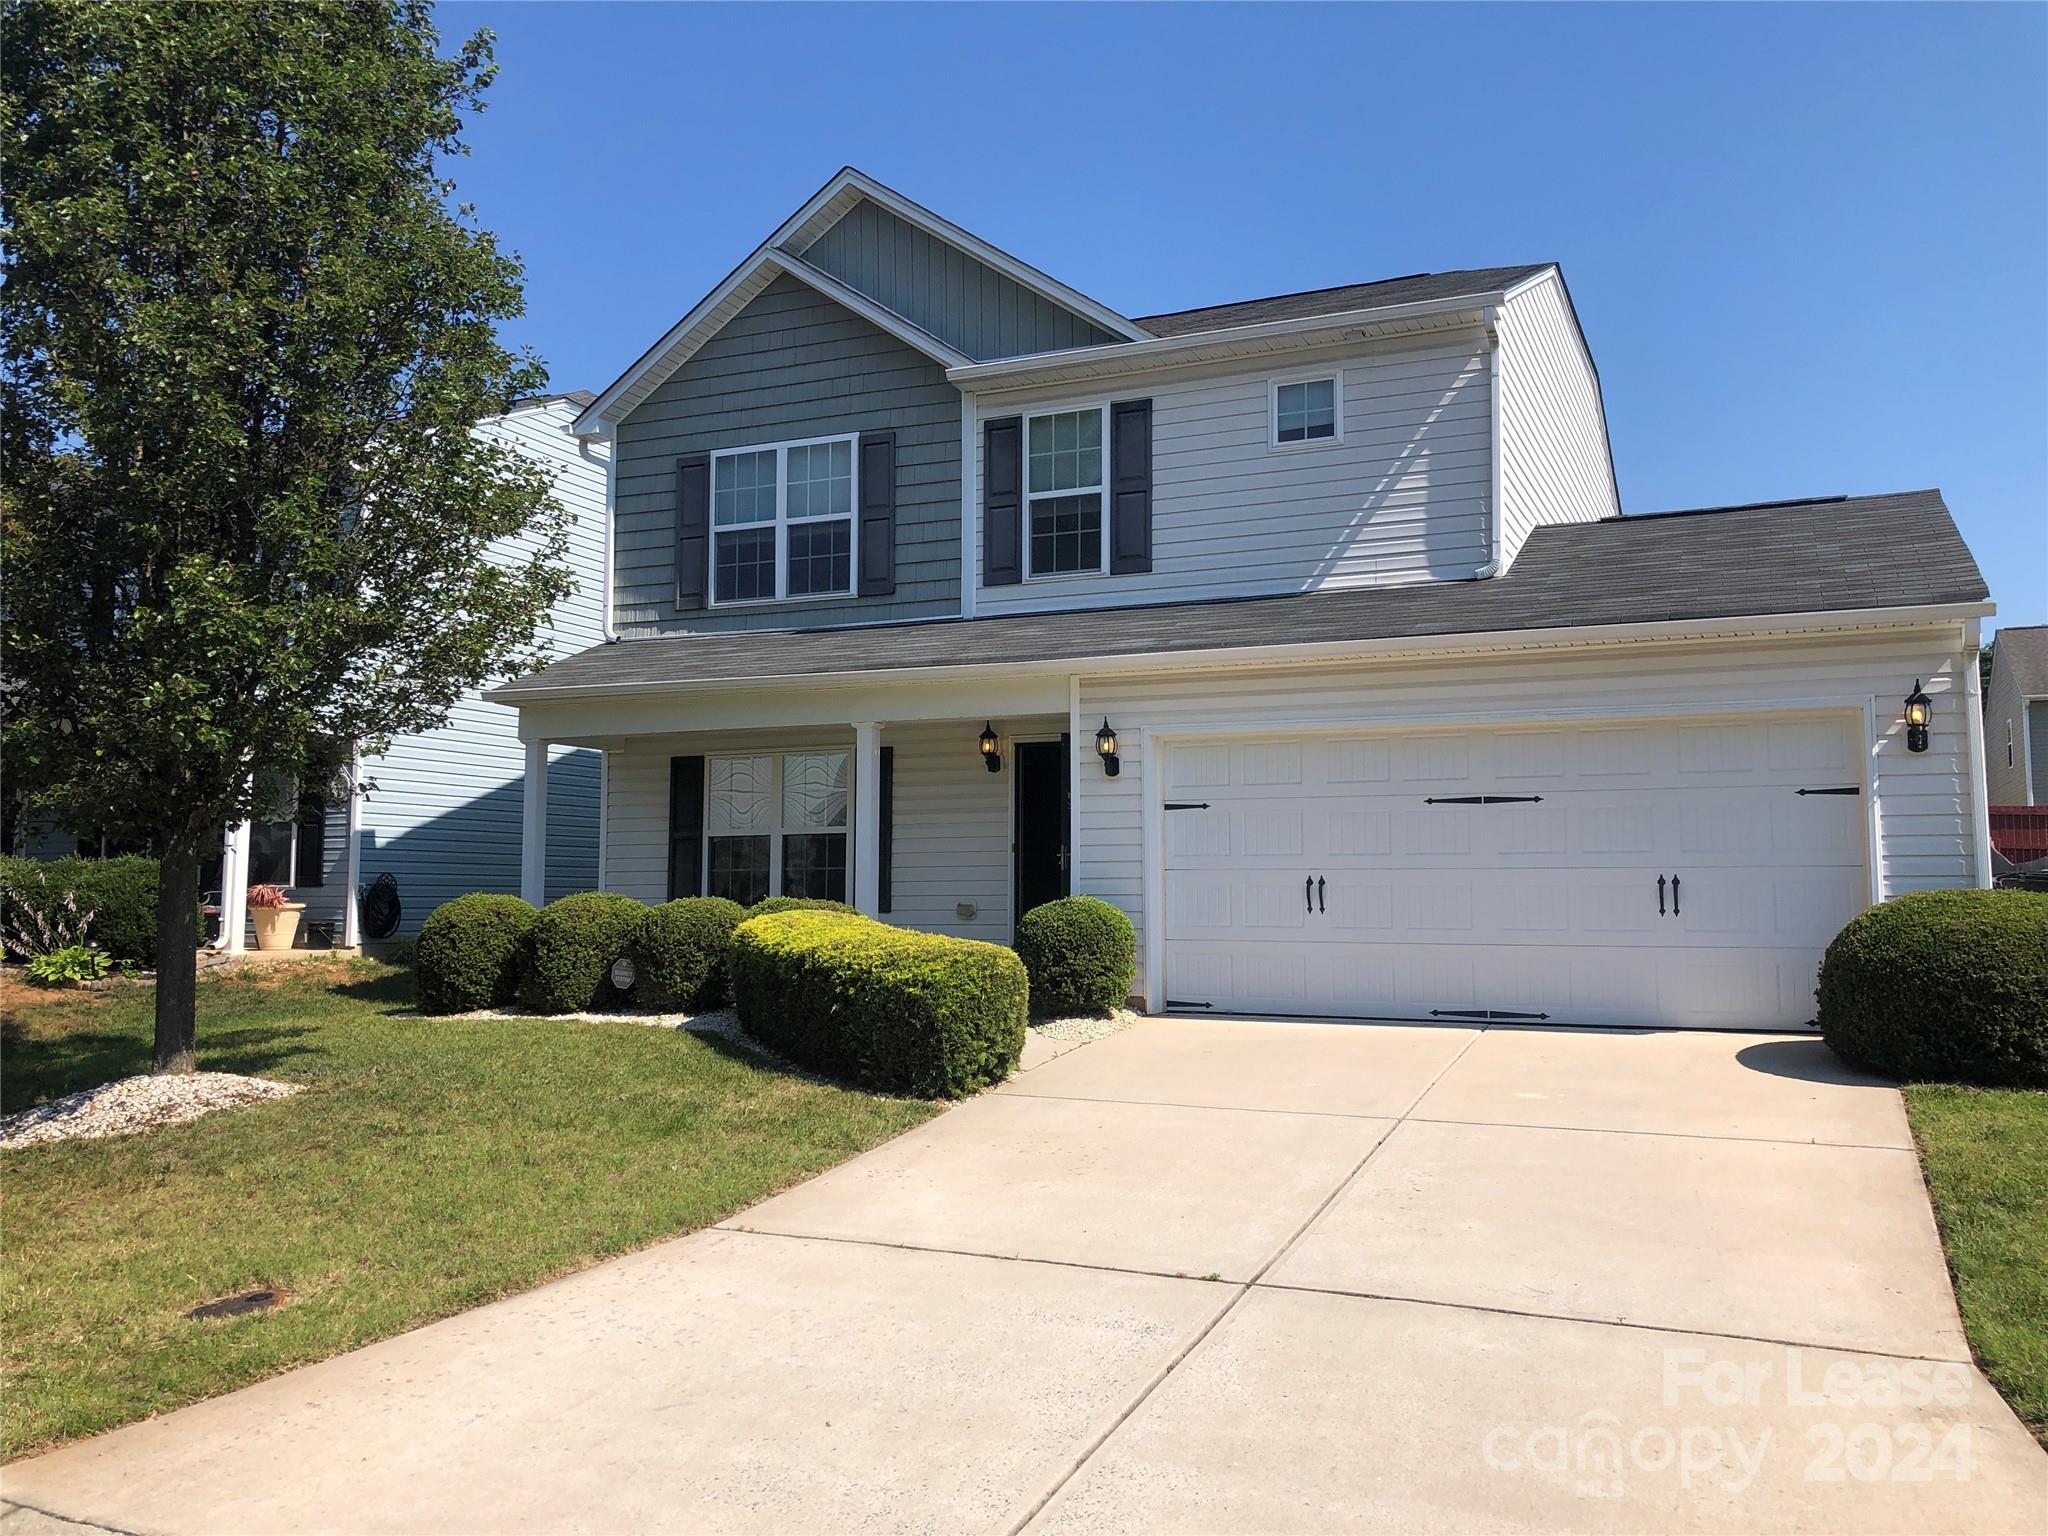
x=1305 y=411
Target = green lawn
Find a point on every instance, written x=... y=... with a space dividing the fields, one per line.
x=431 y=1165
x=1986 y=1155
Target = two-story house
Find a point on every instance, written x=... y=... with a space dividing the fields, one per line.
x=2016 y=715
x=1307 y=630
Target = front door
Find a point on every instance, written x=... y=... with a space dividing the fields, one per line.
x=1040 y=838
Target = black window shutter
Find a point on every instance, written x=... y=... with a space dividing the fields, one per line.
x=1002 y=502
x=885 y=898
x=693 y=529
x=312 y=870
x=685 y=827
x=877 y=514
x=1130 y=487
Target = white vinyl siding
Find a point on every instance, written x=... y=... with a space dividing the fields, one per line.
x=444 y=816
x=1553 y=455
x=1401 y=499
x=1922 y=801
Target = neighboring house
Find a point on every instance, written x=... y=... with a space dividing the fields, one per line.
x=439 y=811
x=2016 y=717
x=1407 y=720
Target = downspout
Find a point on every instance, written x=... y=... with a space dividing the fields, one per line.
x=609 y=436
x=1496 y=555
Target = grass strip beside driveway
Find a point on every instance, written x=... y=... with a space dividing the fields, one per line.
x=432 y=1165
x=1985 y=1151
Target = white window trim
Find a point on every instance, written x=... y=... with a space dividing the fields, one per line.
x=1101 y=409
x=782 y=523
x=776 y=833
x=1335 y=378
x=292 y=859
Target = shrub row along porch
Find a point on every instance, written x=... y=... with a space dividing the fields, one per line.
x=955 y=825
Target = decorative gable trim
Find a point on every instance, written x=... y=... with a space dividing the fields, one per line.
x=717 y=309
x=850 y=186
x=781 y=254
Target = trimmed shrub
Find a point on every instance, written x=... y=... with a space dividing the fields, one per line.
x=1943 y=986
x=768 y=904
x=570 y=949
x=1081 y=955
x=468 y=953
x=904 y=1012
x=119 y=893
x=680 y=953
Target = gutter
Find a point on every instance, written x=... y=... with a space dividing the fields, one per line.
x=1012 y=372
x=1472 y=641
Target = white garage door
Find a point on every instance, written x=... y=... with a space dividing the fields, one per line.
x=1666 y=873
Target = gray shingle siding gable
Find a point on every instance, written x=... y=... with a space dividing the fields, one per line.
x=792 y=364
x=945 y=291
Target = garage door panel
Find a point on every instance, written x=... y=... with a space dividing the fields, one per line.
x=1546 y=905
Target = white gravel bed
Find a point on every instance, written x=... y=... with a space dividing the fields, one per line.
x=656 y=1020
x=136 y=1104
x=1084 y=1028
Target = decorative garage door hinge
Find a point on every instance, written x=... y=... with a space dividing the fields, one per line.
x=1187 y=805
x=1482 y=1013
x=1175 y=1003
x=1845 y=789
x=1482 y=799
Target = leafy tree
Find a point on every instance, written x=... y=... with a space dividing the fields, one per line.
x=247 y=520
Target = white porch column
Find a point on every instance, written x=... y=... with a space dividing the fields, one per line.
x=533 y=830
x=867 y=817
x=352 y=865
x=234 y=889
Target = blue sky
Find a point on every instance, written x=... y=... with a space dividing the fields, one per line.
x=1809 y=244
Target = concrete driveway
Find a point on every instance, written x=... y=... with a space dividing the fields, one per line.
x=1203 y=1276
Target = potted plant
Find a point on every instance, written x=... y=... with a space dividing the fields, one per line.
x=276 y=919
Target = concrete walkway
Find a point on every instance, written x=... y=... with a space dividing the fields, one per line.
x=1202 y=1276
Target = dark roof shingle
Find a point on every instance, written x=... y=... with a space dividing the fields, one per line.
x=1416 y=289
x=2024 y=652
x=1835 y=554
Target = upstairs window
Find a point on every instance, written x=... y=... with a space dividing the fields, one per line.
x=1066 y=466
x=782 y=521
x=1307 y=411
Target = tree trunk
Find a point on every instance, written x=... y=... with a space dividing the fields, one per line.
x=177 y=952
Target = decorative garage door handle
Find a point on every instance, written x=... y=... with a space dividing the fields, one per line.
x=1308 y=893
x=1660 y=895
x=1319 y=895
x=1674 y=895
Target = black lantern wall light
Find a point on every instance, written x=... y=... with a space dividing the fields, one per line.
x=991 y=758
x=1105 y=748
x=1919 y=710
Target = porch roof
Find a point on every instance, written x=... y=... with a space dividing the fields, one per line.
x=1827 y=555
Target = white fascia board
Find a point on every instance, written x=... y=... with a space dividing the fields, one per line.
x=1022 y=273
x=595 y=413
x=678 y=346
x=1747 y=626
x=1164 y=351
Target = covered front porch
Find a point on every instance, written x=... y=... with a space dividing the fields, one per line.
x=934 y=807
